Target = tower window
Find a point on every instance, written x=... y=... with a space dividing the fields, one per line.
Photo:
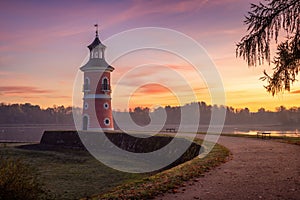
x=86 y=106
x=105 y=85
x=106 y=106
x=96 y=54
x=86 y=85
x=106 y=122
x=85 y=123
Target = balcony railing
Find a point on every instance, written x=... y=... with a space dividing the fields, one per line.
x=104 y=88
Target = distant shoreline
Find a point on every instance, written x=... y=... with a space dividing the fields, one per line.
x=34 y=132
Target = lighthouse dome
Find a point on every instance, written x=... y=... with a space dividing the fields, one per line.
x=97 y=60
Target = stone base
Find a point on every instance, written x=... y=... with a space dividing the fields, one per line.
x=61 y=138
x=71 y=139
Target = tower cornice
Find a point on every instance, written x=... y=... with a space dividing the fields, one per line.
x=97 y=64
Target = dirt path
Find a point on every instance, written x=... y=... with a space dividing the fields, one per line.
x=259 y=169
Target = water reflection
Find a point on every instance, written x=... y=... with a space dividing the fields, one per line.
x=294 y=133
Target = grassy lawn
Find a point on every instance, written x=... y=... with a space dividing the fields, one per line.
x=289 y=140
x=284 y=139
x=70 y=174
x=74 y=174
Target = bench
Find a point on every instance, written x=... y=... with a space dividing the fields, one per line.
x=263 y=135
x=170 y=130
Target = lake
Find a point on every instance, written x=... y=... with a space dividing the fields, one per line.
x=28 y=132
x=34 y=132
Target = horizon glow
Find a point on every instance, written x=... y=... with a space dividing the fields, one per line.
x=43 y=44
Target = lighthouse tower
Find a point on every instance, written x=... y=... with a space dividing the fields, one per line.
x=97 y=112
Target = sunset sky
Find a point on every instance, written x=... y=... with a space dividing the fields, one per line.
x=43 y=44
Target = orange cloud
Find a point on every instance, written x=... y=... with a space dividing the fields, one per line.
x=22 y=90
x=152 y=95
x=151 y=89
x=181 y=67
x=296 y=92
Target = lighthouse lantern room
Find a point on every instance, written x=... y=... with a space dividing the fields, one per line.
x=97 y=111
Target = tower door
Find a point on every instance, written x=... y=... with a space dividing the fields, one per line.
x=85 y=121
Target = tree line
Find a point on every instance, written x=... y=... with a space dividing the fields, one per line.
x=34 y=114
x=282 y=115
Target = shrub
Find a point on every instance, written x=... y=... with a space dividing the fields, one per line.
x=18 y=181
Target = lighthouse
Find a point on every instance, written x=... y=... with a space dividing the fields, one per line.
x=97 y=111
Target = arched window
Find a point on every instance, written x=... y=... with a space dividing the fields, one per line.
x=85 y=122
x=86 y=85
x=96 y=54
x=105 y=85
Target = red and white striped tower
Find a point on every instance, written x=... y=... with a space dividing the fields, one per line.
x=97 y=112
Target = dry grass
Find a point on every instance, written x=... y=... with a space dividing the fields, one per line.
x=168 y=180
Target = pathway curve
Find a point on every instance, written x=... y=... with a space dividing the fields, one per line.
x=259 y=169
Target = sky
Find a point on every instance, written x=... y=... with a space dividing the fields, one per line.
x=43 y=44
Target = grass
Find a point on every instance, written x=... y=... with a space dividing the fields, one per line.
x=168 y=180
x=74 y=174
x=290 y=140
x=283 y=139
x=277 y=138
x=69 y=174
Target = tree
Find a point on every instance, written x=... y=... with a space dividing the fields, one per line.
x=265 y=21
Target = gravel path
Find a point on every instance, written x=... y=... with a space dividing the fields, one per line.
x=259 y=169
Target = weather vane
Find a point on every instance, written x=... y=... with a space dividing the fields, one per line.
x=96 y=25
